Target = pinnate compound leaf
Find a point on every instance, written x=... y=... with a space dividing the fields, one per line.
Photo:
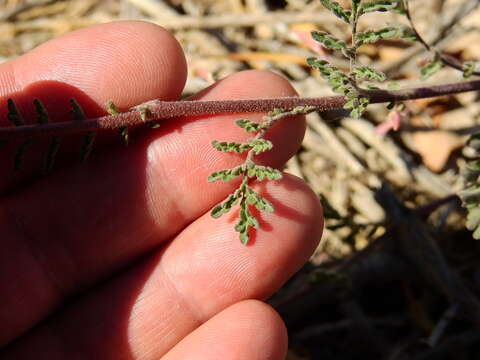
x=230 y=146
x=337 y=9
x=259 y=202
x=226 y=205
x=261 y=172
x=338 y=81
x=378 y=5
x=329 y=41
x=391 y=32
x=365 y=72
x=226 y=174
x=245 y=222
x=249 y=126
x=259 y=145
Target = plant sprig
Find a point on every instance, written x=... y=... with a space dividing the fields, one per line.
x=245 y=196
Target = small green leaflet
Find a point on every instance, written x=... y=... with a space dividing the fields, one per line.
x=226 y=174
x=336 y=9
x=391 y=32
x=249 y=126
x=379 y=5
x=431 y=67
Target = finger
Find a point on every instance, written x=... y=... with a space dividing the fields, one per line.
x=105 y=62
x=127 y=62
x=148 y=310
x=247 y=330
x=78 y=226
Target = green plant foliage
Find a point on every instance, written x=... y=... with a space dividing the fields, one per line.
x=259 y=145
x=249 y=171
x=337 y=9
x=470 y=195
x=245 y=222
x=331 y=42
x=261 y=172
x=354 y=5
x=338 y=81
x=230 y=146
x=357 y=105
x=378 y=5
x=468 y=68
x=226 y=174
x=392 y=32
x=249 y=126
x=431 y=67
x=368 y=73
x=226 y=205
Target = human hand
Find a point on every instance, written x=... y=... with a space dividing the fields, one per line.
x=119 y=258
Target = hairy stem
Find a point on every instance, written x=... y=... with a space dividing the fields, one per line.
x=159 y=110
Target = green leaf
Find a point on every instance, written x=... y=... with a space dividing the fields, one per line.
x=259 y=145
x=368 y=73
x=468 y=69
x=261 y=172
x=226 y=174
x=339 y=82
x=391 y=32
x=331 y=42
x=431 y=67
x=336 y=9
x=259 y=202
x=226 y=205
x=246 y=221
x=249 y=126
x=355 y=4
x=230 y=146
x=378 y=5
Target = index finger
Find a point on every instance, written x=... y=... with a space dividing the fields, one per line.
x=128 y=62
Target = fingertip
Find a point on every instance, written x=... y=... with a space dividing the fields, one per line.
x=249 y=329
x=126 y=61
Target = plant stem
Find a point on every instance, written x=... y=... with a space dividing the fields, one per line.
x=169 y=109
x=445 y=59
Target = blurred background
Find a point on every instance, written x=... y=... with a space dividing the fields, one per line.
x=396 y=275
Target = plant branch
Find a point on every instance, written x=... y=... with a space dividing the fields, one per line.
x=445 y=59
x=169 y=109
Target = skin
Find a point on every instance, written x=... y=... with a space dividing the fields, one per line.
x=119 y=258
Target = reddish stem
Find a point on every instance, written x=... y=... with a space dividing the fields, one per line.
x=170 y=109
